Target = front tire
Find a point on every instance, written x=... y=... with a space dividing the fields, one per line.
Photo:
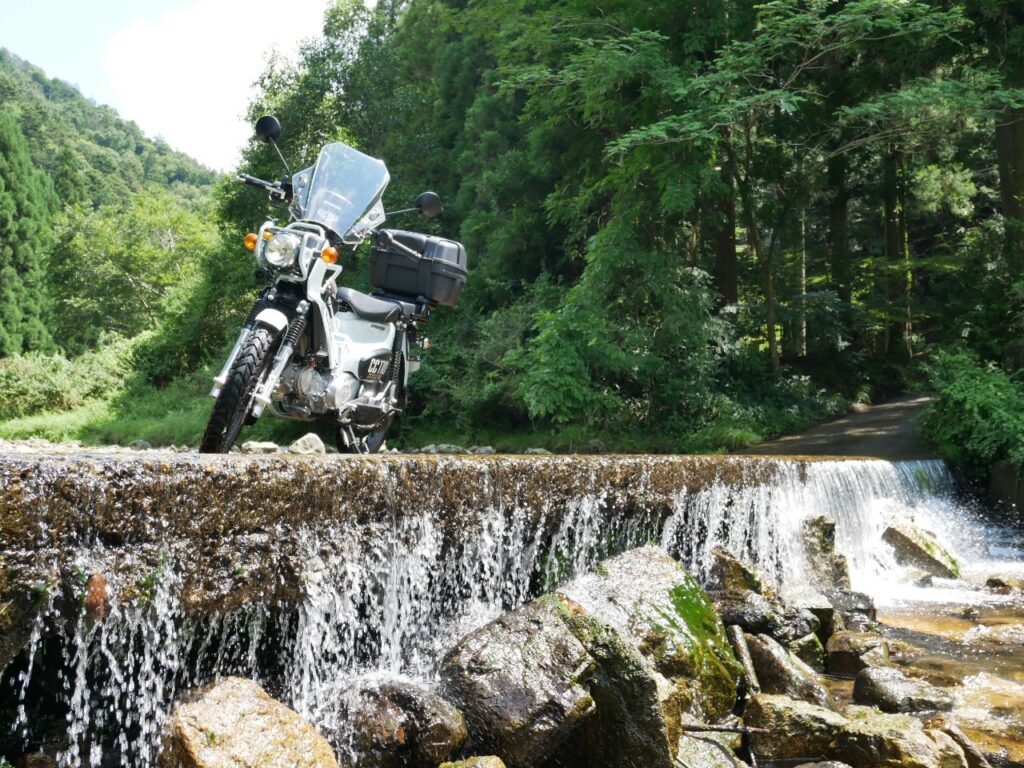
x=235 y=399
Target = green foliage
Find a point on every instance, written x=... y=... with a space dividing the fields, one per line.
x=39 y=382
x=977 y=418
x=26 y=205
x=88 y=151
x=146 y=249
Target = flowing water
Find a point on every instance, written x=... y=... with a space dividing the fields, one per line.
x=393 y=593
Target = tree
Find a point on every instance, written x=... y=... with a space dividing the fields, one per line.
x=27 y=203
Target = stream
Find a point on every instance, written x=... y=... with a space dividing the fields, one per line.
x=390 y=589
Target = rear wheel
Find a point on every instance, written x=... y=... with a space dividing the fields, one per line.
x=231 y=410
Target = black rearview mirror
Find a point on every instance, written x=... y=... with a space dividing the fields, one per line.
x=429 y=204
x=268 y=129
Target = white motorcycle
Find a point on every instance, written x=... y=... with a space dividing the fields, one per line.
x=311 y=349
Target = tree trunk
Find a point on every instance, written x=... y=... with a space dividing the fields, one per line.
x=802 y=348
x=763 y=254
x=1010 y=157
x=838 y=199
x=726 y=269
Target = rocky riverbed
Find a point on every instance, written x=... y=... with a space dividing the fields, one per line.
x=184 y=610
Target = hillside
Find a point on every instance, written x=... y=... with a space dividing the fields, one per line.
x=89 y=151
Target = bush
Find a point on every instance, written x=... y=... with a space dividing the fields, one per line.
x=978 y=416
x=35 y=382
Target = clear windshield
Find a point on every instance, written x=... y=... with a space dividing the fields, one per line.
x=341 y=192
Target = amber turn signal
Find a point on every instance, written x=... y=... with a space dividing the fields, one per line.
x=330 y=254
x=250 y=241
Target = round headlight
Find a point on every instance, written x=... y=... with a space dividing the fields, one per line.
x=281 y=250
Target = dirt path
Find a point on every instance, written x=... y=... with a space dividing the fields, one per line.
x=885 y=431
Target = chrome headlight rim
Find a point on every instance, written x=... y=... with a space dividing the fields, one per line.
x=281 y=250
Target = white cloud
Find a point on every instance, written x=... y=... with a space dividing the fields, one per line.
x=188 y=76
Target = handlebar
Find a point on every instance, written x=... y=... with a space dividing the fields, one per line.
x=279 y=191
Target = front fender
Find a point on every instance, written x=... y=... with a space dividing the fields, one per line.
x=272 y=318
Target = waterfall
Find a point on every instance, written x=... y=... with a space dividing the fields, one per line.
x=391 y=592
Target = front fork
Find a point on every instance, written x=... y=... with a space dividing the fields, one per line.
x=295 y=328
x=222 y=378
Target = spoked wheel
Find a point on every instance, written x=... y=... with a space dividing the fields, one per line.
x=231 y=410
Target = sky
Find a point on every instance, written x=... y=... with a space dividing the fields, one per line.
x=181 y=69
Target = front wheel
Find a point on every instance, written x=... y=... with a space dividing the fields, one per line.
x=236 y=396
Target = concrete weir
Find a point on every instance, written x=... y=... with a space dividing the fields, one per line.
x=231 y=524
x=128 y=578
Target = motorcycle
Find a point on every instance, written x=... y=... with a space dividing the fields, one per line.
x=313 y=350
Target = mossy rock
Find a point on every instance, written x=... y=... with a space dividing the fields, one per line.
x=653 y=601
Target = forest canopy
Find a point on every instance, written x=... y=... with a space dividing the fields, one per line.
x=691 y=224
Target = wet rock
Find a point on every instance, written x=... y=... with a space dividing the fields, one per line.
x=96 y=604
x=921 y=549
x=841 y=573
x=481 y=450
x=870 y=739
x=996 y=636
x=974 y=756
x=824 y=764
x=254 y=446
x=892 y=691
x=761 y=615
x=19 y=606
x=519 y=682
x=847 y=653
x=629 y=726
x=308 y=445
x=1004 y=585
x=738 y=641
x=810 y=651
x=856 y=609
x=826 y=570
x=650 y=598
x=141 y=445
x=234 y=722
x=476 y=762
x=794 y=729
x=397 y=723
x=729 y=574
x=537 y=452
x=707 y=750
x=780 y=672
x=829 y=620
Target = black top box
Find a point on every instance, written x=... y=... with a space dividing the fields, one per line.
x=436 y=274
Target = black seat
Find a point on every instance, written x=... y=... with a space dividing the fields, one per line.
x=370 y=308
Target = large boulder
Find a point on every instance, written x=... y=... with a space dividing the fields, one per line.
x=233 y=722
x=920 y=549
x=891 y=691
x=519 y=681
x=791 y=729
x=653 y=601
x=870 y=739
x=398 y=723
x=780 y=672
x=847 y=653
